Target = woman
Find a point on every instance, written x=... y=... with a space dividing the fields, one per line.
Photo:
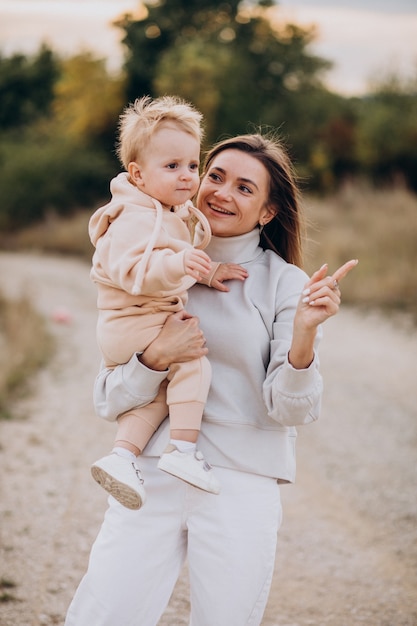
x=262 y=336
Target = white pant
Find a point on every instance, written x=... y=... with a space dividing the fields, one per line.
x=229 y=541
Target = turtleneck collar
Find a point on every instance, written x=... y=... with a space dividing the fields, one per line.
x=240 y=249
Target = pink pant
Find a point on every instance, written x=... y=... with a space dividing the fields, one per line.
x=184 y=395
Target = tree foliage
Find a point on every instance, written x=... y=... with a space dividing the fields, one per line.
x=387 y=128
x=38 y=176
x=87 y=99
x=57 y=135
x=244 y=69
x=255 y=70
x=26 y=87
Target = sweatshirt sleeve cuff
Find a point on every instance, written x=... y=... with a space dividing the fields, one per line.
x=206 y=280
x=140 y=380
x=294 y=382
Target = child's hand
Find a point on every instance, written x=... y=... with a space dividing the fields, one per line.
x=227 y=271
x=197 y=263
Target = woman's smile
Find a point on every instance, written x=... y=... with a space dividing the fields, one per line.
x=218 y=209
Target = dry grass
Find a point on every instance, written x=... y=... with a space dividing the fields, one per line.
x=25 y=347
x=380 y=229
x=56 y=235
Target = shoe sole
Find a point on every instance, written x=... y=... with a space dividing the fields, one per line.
x=121 y=492
x=187 y=478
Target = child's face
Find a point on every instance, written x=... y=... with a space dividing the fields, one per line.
x=169 y=169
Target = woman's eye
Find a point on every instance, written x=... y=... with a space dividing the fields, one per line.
x=245 y=189
x=214 y=177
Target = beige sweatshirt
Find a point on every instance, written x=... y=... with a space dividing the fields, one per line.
x=140 y=247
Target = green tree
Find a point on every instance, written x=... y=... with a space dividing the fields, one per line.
x=57 y=135
x=388 y=132
x=327 y=139
x=194 y=72
x=253 y=69
x=39 y=175
x=26 y=87
x=87 y=101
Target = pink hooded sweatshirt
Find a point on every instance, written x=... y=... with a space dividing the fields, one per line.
x=140 y=247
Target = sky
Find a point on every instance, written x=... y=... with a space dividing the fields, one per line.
x=365 y=39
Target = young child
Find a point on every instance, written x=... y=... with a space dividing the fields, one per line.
x=148 y=251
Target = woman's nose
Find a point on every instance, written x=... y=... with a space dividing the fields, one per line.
x=223 y=192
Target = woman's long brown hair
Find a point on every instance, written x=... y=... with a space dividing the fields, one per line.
x=285 y=232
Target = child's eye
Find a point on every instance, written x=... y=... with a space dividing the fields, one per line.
x=194 y=167
x=172 y=166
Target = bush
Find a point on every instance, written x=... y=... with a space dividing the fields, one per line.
x=37 y=177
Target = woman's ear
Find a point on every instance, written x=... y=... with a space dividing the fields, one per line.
x=267 y=215
x=135 y=173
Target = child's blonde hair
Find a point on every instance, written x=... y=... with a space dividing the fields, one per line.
x=144 y=116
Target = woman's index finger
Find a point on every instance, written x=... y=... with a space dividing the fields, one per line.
x=342 y=271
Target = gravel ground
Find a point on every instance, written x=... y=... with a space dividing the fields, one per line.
x=347 y=550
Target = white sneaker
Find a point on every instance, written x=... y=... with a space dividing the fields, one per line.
x=190 y=467
x=121 y=478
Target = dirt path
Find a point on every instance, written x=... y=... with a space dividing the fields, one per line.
x=347 y=551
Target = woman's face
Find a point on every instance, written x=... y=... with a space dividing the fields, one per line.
x=233 y=194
